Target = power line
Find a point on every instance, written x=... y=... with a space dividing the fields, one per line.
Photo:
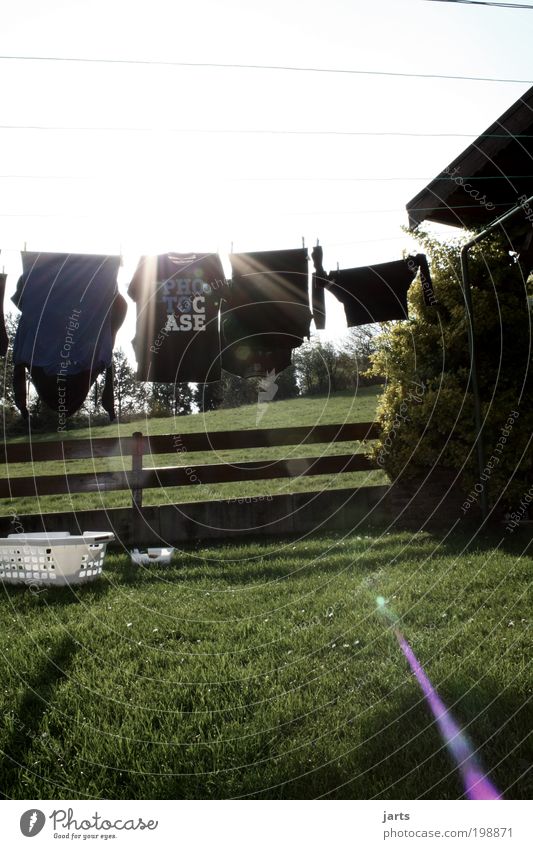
x=324 y=211
x=245 y=67
x=412 y=237
x=485 y=3
x=271 y=179
x=269 y=132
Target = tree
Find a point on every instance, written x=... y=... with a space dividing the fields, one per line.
x=427 y=411
x=6 y=389
x=209 y=396
x=130 y=395
x=171 y=399
x=237 y=391
x=41 y=418
x=287 y=384
x=359 y=345
x=322 y=368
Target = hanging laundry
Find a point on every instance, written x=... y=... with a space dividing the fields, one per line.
x=420 y=260
x=177 y=337
x=318 y=282
x=70 y=314
x=4 y=341
x=377 y=293
x=265 y=313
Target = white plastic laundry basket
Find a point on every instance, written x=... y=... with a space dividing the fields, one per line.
x=50 y=559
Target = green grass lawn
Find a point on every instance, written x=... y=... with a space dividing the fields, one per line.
x=333 y=409
x=310 y=410
x=263 y=670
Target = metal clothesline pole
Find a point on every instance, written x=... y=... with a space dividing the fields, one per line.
x=471 y=340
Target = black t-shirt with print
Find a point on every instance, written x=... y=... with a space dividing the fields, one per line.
x=177 y=336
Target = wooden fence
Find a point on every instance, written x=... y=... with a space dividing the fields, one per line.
x=134 y=449
x=138 y=446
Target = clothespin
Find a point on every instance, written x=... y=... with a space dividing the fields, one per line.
x=231 y=249
x=338 y=269
x=318 y=243
x=121 y=261
x=303 y=241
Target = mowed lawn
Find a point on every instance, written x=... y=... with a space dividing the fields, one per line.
x=263 y=670
x=309 y=411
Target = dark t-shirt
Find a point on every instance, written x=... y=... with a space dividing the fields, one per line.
x=70 y=313
x=374 y=293
x=177 y=337
x=265 y=313
x=65 y=302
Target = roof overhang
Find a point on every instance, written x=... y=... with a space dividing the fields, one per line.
x=487 y=179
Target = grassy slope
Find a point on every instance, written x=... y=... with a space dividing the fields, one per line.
x=263 y=669
x=339 y=408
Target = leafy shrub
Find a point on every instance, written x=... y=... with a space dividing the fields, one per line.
x=427 y=409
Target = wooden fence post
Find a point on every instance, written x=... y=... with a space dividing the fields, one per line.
x=136 y=486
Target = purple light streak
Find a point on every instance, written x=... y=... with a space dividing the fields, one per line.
x=477 y=785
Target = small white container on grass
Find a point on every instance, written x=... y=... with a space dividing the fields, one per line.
x=151 y=555
x=53 y=559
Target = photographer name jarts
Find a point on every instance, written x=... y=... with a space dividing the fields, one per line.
x=388 y=817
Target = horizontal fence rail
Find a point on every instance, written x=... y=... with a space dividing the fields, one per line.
x=138 y=446
x=254 y=470
x=73 y=449
x=84 y=449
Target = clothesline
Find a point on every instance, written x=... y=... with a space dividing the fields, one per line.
x=191 y=322
x=279 y=213
x=251 y=67
x=274 y=179
x=261 y=131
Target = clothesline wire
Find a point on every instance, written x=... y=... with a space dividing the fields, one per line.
x=237 y=132
x=485 y=3
x=98 y=214
x=254 y=67
x=310 y=179
x=4 y=250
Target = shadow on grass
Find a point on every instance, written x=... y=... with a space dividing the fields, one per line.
x=34 y=703
x=50 y=596
x=403 y=755
x=265 y=559
x=393 y=752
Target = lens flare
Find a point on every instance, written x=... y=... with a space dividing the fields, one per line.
x=477 y=785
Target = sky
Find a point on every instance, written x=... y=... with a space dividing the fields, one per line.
x=133 y=159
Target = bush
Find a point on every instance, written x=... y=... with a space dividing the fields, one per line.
x=427 y=409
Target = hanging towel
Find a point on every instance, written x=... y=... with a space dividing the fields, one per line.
x=265 y=310
x=70 y=313
x=318 y=282
x=177 y=337
x=4 y=341
x=377 y=293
